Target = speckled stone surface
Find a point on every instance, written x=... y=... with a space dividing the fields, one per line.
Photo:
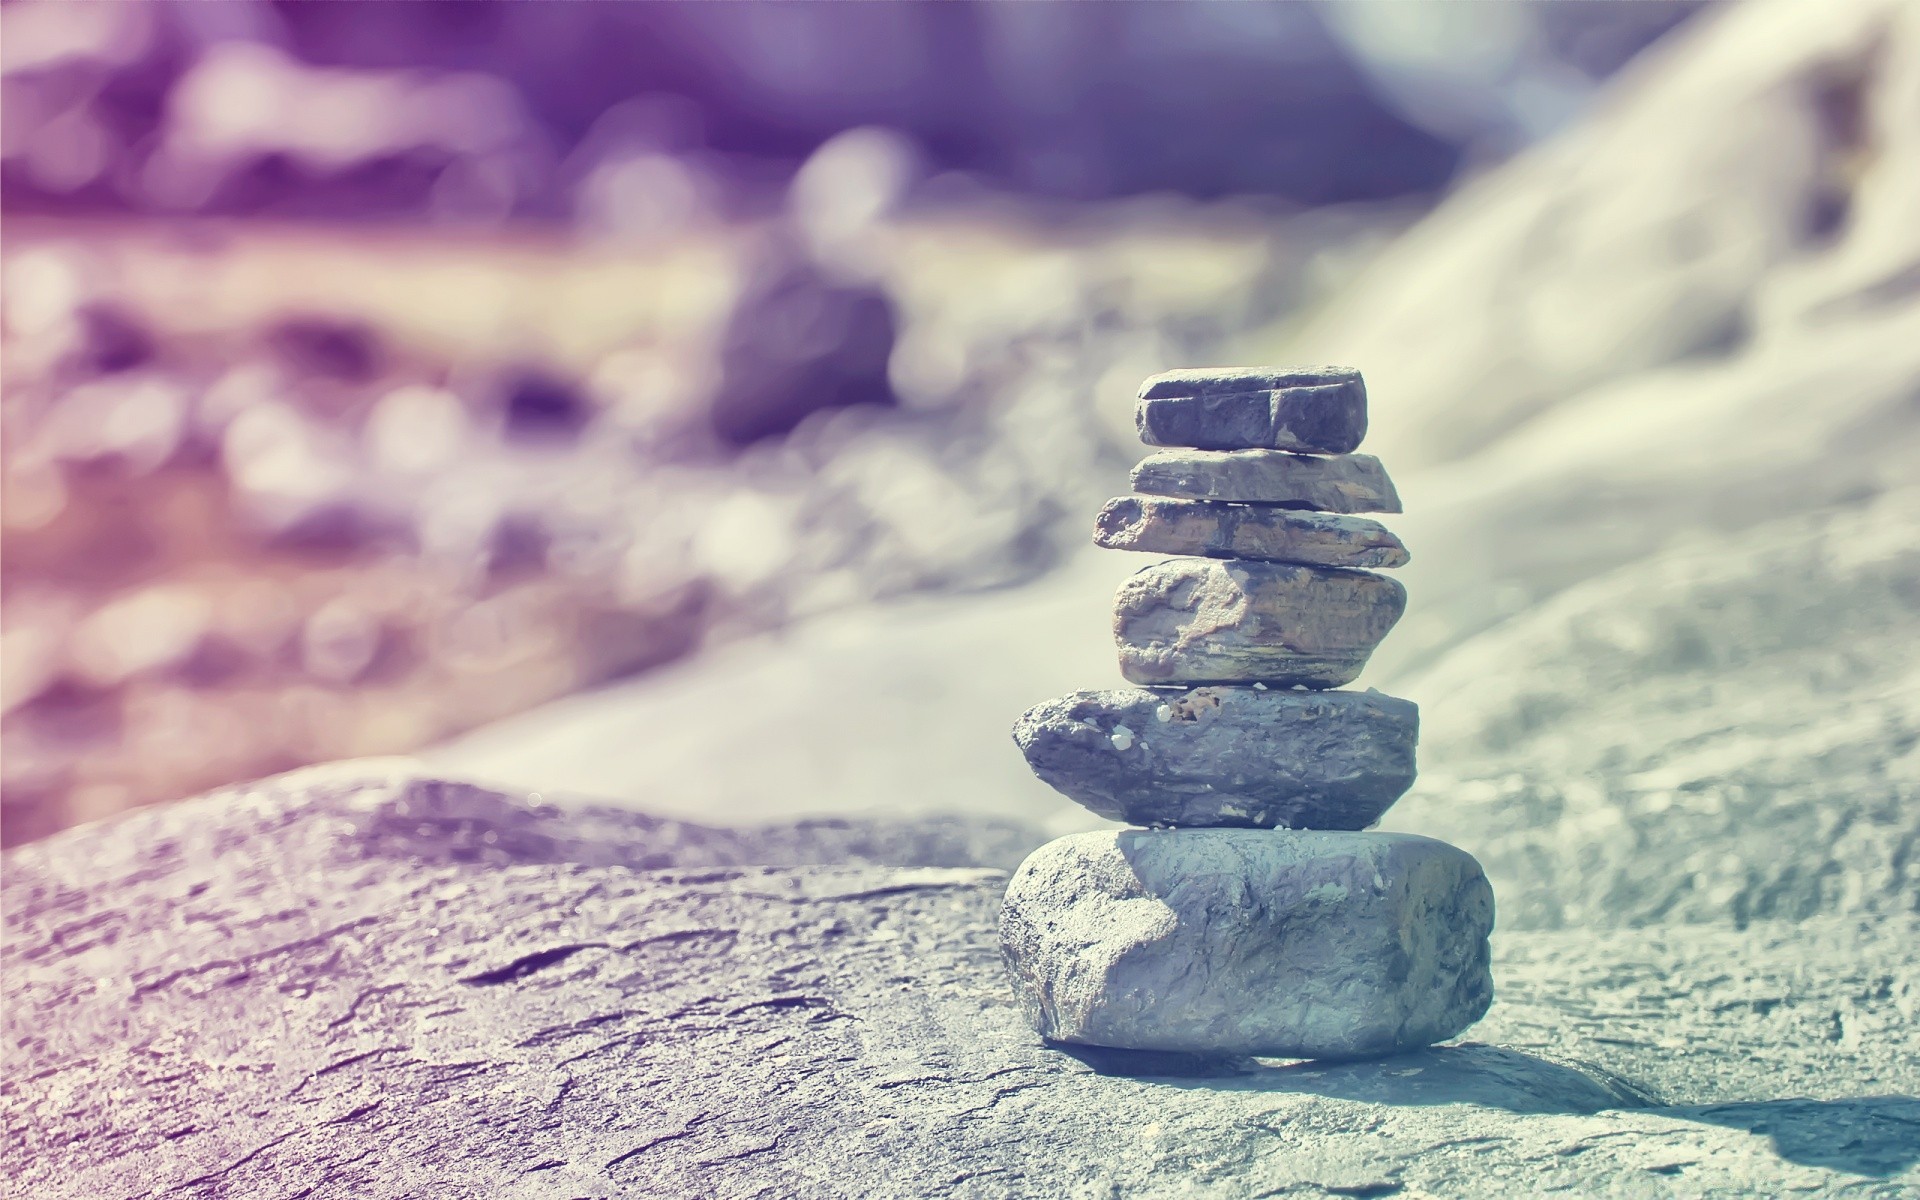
x=1226 y=756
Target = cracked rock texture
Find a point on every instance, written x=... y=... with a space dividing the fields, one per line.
x=1330 y=419
x=1726 y=733
x=1161 y=525
x=1250 y=941
x=1225 y=756
x=1197 y=621
x=300 y=990
x=1346 y=483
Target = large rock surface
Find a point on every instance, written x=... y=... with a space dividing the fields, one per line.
x=1225 y=756
x=1249 y=941
x=303 y=989
x=1727 y=731
x=1346 y=483
x=1159 y=525
x=1197 y=621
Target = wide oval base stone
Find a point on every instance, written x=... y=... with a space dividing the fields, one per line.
x=1282 y=943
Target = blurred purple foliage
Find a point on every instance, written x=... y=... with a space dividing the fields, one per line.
x=481 y=111
x=534 y=344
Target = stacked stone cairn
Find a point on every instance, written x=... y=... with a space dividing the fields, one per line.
x=1249 y=914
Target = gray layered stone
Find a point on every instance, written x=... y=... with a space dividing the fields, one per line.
x=1215 y=381
x=1313 y=409
x=1250 y=941
x=1164 y=525
x=1347 y=483
x=1197 y=621
x=1226 y=756
x=1329 y=419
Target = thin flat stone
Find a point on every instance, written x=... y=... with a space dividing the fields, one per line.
x=1346 y=483
x=1226 y=756
x=1249 y=941
x=1214 y=381
x=1314 y=420
x=1169 y=526
x=1195 y=621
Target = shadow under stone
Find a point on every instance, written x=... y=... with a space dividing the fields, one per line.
x=1155 y=1064
x=1469 y=1073
x=1875 y=1136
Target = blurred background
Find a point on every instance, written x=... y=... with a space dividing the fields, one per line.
x=705 y=405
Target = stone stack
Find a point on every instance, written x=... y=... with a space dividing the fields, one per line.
x=1250 y=915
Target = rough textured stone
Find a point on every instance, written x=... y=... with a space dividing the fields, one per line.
x=1215 y=381
x=1166 y=526
x=1226 y=755
x=1250 y=941
x=1196 y=620
x=284 y=990
x=1347 y=483
x=1330 y=419
x=1754 y=692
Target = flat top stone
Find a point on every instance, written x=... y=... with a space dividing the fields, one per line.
x=1343 y=483
x=281 y=990
x=1208 y=381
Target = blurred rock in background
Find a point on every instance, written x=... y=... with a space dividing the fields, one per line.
x=478 y=111
x=1651 y=394
x=373 y=373
x=1666 y=523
